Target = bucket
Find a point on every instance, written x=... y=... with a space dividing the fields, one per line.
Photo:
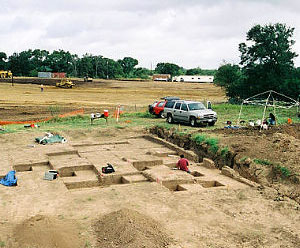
x=105 y=113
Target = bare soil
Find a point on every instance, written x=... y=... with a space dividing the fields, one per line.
x=47 y=232
x=129 y=229
x=172 y=207
x=27 y=102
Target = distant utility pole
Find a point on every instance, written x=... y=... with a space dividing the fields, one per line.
x=107 y=69
x=96 y=64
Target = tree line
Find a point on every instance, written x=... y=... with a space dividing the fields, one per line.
x=30 y=62
x=266 y=63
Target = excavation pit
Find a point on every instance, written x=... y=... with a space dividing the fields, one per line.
x=68 y=174
x=143 y=165
x=23 y=168
x=210 y=184
x=81 y=179
x=196 y=174
x=31 y=167
x=176 y=184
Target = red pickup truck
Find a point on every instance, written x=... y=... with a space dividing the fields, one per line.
x=157 y=108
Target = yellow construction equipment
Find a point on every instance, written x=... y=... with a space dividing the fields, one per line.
x=5 y=74
x=65 y=83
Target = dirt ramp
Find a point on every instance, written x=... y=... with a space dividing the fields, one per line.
x=129 y=229
x=45 y=232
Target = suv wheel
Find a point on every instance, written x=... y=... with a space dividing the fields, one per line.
x=193 y=122
x=170 y=119
x=211 y=123
x=160 y=114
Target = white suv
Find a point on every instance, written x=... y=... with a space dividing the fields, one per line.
x=190 y=112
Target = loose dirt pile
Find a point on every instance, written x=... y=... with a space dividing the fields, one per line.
x=129 y=229
x=45 y=232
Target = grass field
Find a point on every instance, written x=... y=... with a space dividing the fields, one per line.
x=226 y=112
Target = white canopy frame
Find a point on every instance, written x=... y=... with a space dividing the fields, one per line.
x=271 y=99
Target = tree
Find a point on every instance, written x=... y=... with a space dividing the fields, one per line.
x=268 y=61
x=194 y=71
x=142 y=73
x=128 y=65
x=60 y=61
x=85 y=66
x=20 y=63
x=3 y=63
x=230 y=77
x=167 y=68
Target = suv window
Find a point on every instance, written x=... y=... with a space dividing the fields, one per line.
x=169 y=104
x=184 y=107
x=160 y=104
x=196 y=106
x=177 y=106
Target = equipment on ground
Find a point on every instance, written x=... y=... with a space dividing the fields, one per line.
x=87 y=79
x=5 y=74
x=269 y=99
x=65 y=83
x=10 y=179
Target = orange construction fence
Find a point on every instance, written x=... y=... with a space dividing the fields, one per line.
x=73 y=113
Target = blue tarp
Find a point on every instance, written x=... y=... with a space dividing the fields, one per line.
x=10 y=179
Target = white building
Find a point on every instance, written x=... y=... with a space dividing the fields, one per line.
x=193 y=79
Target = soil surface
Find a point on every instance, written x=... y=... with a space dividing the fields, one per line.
x=27 y=102
x=137 y=204
x=269 y=157
x=129 y=229
x=47 y=232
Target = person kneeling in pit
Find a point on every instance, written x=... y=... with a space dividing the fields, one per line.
x=183 y=164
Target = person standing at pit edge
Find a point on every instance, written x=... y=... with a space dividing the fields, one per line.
x=183 y=164
x=42 y=87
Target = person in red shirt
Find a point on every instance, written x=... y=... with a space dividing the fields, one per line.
x=183 y=164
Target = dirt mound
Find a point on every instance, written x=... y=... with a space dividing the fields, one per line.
x=45 y=232
x=129 y=229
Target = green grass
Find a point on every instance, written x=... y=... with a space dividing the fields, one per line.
x=210 y=141
x=54 y=110
x=243 y=159
x=226 y=112
x=230 y=112
x=2 y=244
x=145 y=114
x=285 y=172
x=262 y=161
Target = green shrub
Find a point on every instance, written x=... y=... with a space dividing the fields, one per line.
x=199 y=138
x=224 y=151
x=210 y=141
x=213 y=144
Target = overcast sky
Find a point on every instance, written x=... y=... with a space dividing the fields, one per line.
x=190 y=33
